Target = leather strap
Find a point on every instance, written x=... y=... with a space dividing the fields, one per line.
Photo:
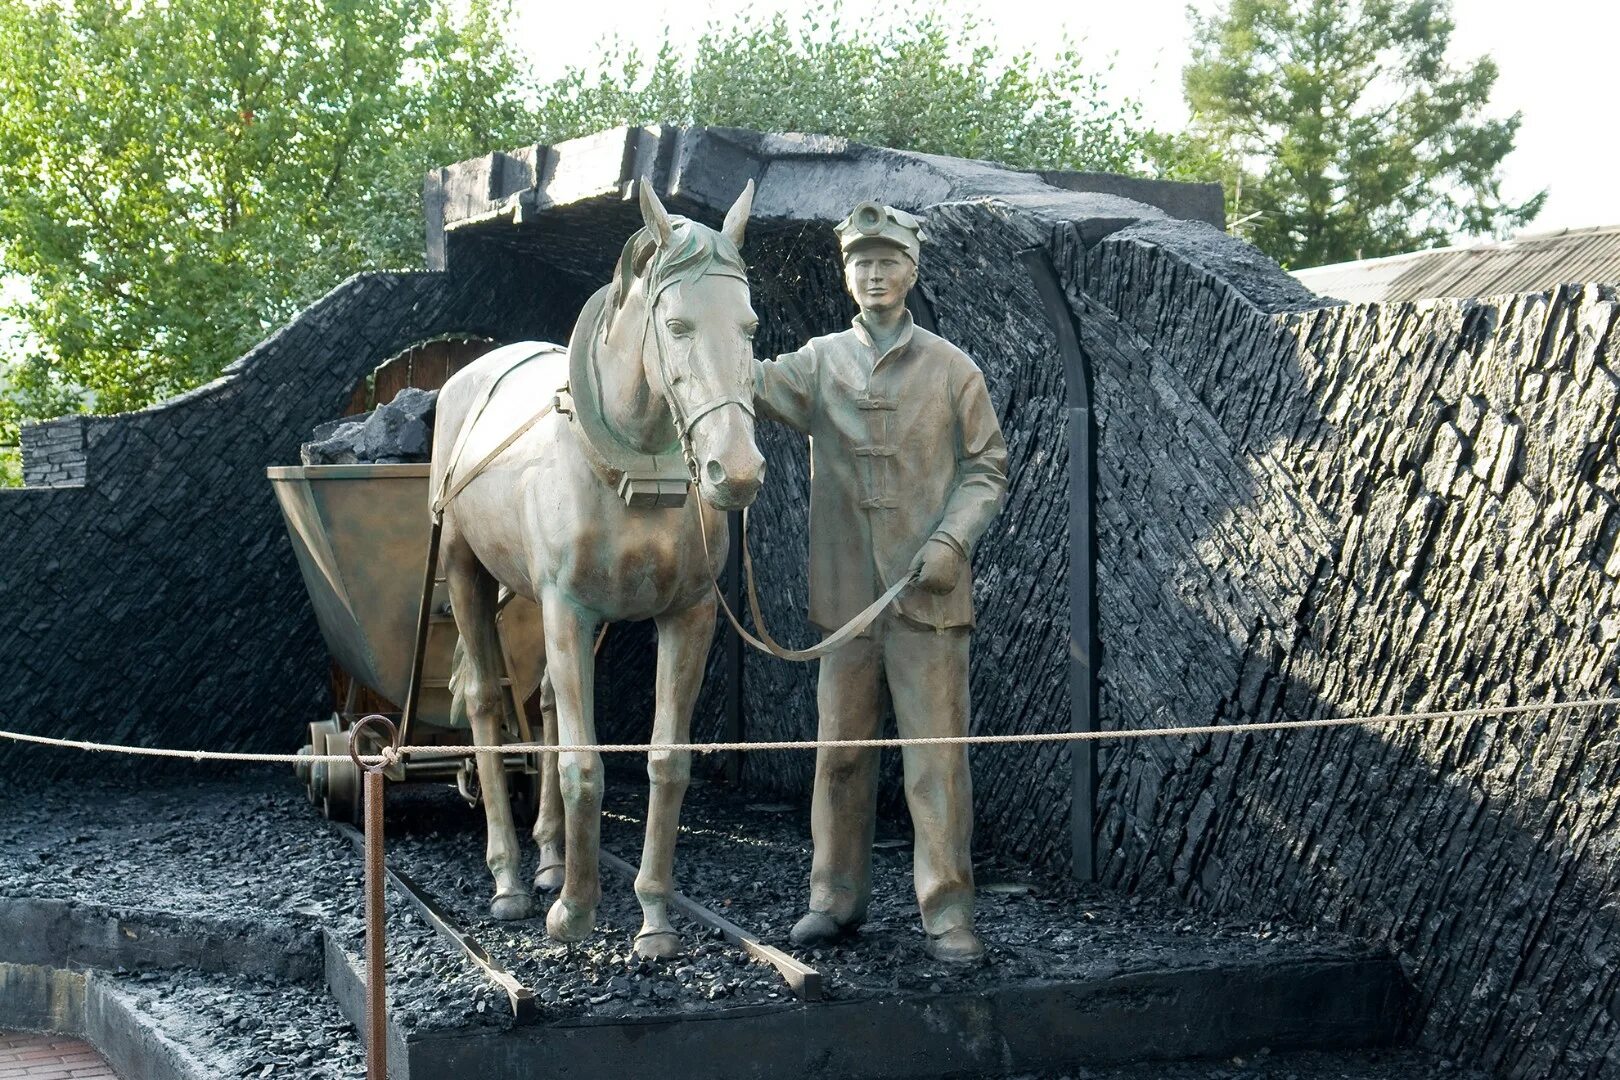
x=446 y=493
x=472 y=474
x=830 y=643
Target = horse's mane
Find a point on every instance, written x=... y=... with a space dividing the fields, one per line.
x=693 y=250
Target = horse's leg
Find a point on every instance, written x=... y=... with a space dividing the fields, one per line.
x=548 y=824
x=473 y=596
x=572 y=668
x=683 y=646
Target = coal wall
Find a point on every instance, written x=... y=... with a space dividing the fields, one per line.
x=1359 y=510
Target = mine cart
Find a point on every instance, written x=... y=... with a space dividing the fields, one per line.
x=361 y=536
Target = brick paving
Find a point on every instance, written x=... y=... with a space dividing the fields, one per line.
x=50 y=1057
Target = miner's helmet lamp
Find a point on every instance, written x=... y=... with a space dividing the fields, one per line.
x=868 y=219
x=873 y=223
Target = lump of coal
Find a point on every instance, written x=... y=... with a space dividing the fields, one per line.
x=398 y=432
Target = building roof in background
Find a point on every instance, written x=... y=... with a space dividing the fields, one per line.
x=1530 y=263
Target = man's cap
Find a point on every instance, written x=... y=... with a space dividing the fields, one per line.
x=874 y=223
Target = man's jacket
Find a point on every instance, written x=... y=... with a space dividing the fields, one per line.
x=904 y=448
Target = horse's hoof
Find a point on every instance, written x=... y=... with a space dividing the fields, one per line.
x=512 y=905
x=549 y=878
x=569 y=923
x=658 y=945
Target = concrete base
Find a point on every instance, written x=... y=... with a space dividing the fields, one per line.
x=58 y=933
x=1210 y=1011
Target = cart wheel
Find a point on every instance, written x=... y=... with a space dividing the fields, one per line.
x=342 y=795
x=303 y=768
x=313 y=774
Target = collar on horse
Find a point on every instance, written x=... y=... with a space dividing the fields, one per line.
x=641 y=479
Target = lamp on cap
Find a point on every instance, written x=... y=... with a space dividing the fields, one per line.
x=874 y=223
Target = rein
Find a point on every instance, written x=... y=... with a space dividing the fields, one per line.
x=830 y=643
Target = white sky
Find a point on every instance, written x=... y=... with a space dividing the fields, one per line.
x=1558 y=67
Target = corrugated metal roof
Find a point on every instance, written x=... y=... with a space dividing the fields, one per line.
x=1532 y=263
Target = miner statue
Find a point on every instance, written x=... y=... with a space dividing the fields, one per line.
x=908 y=466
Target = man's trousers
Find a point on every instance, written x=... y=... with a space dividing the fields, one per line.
x=926 y=674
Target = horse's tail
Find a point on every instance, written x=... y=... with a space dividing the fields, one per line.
x=460 y=664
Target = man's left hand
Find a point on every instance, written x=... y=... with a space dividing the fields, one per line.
x=937 y=567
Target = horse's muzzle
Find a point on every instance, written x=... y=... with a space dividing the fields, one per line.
x=732 y=488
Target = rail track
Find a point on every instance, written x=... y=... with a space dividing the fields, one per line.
x=802 y=980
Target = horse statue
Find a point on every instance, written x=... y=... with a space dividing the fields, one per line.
x=586 y=513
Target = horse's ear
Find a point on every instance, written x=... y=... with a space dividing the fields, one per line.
x=737 y=216
x=653 y=214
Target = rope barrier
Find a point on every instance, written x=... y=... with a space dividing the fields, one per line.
x=389 y=755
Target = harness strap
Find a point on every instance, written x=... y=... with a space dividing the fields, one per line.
x=445 y=492
x=691 y=418
x=472 y=474
x=828 y=644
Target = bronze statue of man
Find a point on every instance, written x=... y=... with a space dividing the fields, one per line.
x=908 y=466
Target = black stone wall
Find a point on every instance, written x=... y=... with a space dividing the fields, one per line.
x=158 y=602
x=54 y=453
x=1354 y=510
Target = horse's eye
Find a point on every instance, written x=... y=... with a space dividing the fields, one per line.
x=679 y=328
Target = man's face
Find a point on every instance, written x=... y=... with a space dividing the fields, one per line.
x=879 y=277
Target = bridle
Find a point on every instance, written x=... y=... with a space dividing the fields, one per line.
x=686 y=416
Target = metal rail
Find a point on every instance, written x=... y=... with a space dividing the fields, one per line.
x=525 y=1009
x=802 y=979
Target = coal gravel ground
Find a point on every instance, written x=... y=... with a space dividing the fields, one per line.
x=431 y=986
x=439 y=841
x=253 y=847
x=750 y=859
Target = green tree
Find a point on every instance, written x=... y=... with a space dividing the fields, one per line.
x=181 y=175
x=919 y=80
x=1344 y=131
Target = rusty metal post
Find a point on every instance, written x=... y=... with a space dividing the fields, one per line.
x=376 y=916
x=376 y=945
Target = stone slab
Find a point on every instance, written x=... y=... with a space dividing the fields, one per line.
x=63 y=934
x=1214 y=1011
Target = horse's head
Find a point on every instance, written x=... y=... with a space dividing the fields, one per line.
x=691 y=288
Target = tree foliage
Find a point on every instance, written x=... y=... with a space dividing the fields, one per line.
x=919 y=81
x=1344 y=131
x=181 y=175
